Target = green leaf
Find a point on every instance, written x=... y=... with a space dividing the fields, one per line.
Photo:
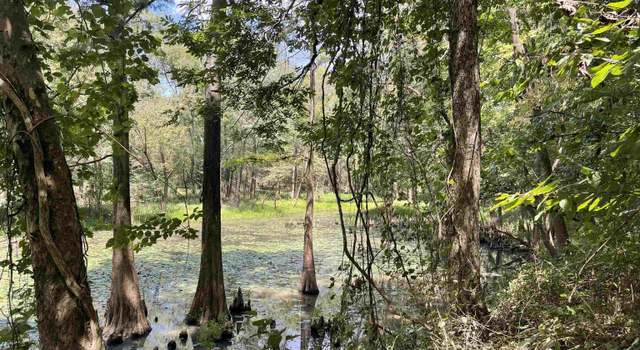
x=619 y=5
x=606 y=28
x=274 y=340
x=584 y=204
x=617 y=70
x=601 y=74
x=542 y=188
x=594 y=204
x=616 y=151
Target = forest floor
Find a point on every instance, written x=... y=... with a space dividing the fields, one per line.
x=262 y=254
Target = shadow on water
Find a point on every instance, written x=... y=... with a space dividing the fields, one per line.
x=263 y=257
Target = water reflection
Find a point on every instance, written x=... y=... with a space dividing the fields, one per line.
x=307 y=306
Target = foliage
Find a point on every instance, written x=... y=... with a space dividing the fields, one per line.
x=266 y=327
x=154 y=228
x=550 y=305
x=560 y=138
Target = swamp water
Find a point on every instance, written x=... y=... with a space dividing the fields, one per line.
x=261 y=256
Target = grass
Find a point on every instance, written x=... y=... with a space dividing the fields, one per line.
x=263 y=208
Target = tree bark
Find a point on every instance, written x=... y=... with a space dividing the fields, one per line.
x=65 y=315
x=308 y=283
x=518 y=48
x=464 y=256
x=294 y=180
x=126 y=311
x=165 y=179
x=209 y=302
x=555 y=234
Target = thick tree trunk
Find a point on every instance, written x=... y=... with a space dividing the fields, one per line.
x=209 y=302
x=65 y=314
x=308 y=284
x=126 y=312
x=464 y=257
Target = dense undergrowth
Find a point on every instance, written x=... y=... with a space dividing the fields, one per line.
x=544 y=304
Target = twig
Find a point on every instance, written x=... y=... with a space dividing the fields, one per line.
x=584 y=265
x=90 y=161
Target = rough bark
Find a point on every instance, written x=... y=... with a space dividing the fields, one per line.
x=65 y=315
x=464 y=256
x=308 y=283
x=209 y=302
x=126 y=312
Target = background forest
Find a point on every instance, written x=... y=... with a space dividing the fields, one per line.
x=373 y=174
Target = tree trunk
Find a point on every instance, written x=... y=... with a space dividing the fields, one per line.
x=294 y=180
x=209 y=302
x=518 y=48
x=126 y=312
x=165 y=180
x=229 y=191
x=295 y=176
x=464 y=256
x=555 y=234
x=99 y=190
x=239 y=183
x=65 y=315
x=308 y=284
x=253 y=185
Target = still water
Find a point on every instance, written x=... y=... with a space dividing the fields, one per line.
x=261 y=256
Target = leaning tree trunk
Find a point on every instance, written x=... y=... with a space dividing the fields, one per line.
x=126 y=315
x=464 y=256
x=65 y=315
x=209 y=302
x=308 y=284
